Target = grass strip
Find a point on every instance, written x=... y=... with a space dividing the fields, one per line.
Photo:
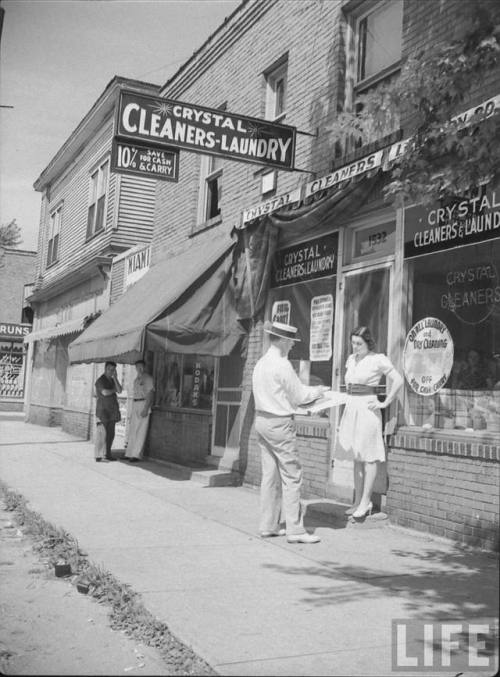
x=127 y=612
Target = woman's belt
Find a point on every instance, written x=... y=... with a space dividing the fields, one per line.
x=361 y=389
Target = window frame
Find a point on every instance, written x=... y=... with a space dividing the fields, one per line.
x=274 y=75
x=54 y=233
x=363 y=83
x=98 y=199
x=210 y=174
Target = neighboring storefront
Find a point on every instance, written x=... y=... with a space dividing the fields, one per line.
x=12 y=365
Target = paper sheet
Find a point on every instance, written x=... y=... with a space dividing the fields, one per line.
x=330 y=398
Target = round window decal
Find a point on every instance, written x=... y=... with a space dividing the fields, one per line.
x=428 y=356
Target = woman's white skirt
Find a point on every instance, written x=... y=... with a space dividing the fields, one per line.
x=360 y=431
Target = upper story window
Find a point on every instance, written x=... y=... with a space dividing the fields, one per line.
x=276 y=91
x=210 y=189
x=378 y=38
x=54 y=231
x=97 y=200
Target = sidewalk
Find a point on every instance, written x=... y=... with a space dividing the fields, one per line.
x=246 y=605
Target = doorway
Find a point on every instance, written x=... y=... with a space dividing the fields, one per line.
x=227 y=410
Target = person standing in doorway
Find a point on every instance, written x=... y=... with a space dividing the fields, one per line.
x=278 y=392
x=143 y=395
x=107 y=408
x=360 y=430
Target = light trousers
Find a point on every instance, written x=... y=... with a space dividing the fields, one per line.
x=137 y=431
x=281 y=474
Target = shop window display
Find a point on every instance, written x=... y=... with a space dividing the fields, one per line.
x=461 y=288
x=183 y=381
x=309 y=307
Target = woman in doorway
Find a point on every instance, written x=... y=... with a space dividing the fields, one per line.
x=360 y=430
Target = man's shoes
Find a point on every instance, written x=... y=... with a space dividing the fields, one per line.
x=303 y=538
x=133 y=459
x=270 y=534
x=110 y=458
x=98 y=460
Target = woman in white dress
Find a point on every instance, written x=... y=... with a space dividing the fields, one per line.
x=360 y=431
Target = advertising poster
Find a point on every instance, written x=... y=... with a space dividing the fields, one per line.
x=320 y=343
x=428 y=356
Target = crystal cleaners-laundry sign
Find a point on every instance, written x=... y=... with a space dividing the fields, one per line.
x=306 y=261
x=467 y=220
x=205 y=130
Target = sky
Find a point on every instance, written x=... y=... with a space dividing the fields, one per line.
x=56 y=58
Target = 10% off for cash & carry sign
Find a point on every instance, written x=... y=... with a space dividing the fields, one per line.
x=428 y=356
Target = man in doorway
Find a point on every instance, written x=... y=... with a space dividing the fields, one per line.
x=277 y=392
x=143 y=395
x=107 y=408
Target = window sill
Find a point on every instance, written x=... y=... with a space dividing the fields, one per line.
x=180 y=410
x=205 y=225
x=375 y=79
x=94 y=235
x=51 y=264
x=479 y=444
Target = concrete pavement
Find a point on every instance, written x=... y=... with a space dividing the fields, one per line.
x=246 y=605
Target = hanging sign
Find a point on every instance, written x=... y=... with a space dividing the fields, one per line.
x=153 y=163
x=465 y=221
x=205 y=130
x=343 y=173
x=271 y=205
x=305 y=261
x=428 y=356
x=320 y=342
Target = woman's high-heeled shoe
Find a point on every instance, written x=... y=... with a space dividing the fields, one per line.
x=350 y=510
x=360 y=514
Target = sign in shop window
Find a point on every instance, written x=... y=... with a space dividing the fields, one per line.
x=309 y=260
x=11 y=370
x=452 y=354
x=375 y=241
x=466 y=220
x=183 y=381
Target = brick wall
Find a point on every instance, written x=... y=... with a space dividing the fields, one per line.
x=45 y=415
x=179 y=436
x=76 y=423
x=17 y=268
x=449 y=488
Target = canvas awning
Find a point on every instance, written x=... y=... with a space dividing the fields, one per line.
x=63 y=329
x=189 y=294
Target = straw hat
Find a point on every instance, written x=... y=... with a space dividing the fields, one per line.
x=282 y=330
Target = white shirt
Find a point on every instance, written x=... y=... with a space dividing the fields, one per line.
x=369 y=370
x=276 y=387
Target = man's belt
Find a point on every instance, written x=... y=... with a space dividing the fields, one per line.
x=361 y=389
x=139 y=399
x=266 y=414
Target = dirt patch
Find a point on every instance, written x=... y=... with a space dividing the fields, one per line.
x=48 y=628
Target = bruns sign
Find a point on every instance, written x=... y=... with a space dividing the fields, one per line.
x=205 y=130
x=13 y=331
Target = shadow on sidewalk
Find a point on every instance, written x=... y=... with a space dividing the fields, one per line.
x=456 y=584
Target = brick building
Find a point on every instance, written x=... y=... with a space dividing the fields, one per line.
x=319 y=247
x=17 y=272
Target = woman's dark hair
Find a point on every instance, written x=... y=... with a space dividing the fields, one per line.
x=110 y=363
x=366 y=335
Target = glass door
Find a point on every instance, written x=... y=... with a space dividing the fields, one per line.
x=366 y=302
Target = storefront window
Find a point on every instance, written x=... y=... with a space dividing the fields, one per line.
x=303 y=294
x=461 y=288
x=183 y=381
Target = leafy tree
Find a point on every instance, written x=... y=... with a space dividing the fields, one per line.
x=10 y=234
x=446 y=155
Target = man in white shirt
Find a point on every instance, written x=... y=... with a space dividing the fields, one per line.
x=278 y=392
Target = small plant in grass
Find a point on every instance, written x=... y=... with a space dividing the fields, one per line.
x=127 y=611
